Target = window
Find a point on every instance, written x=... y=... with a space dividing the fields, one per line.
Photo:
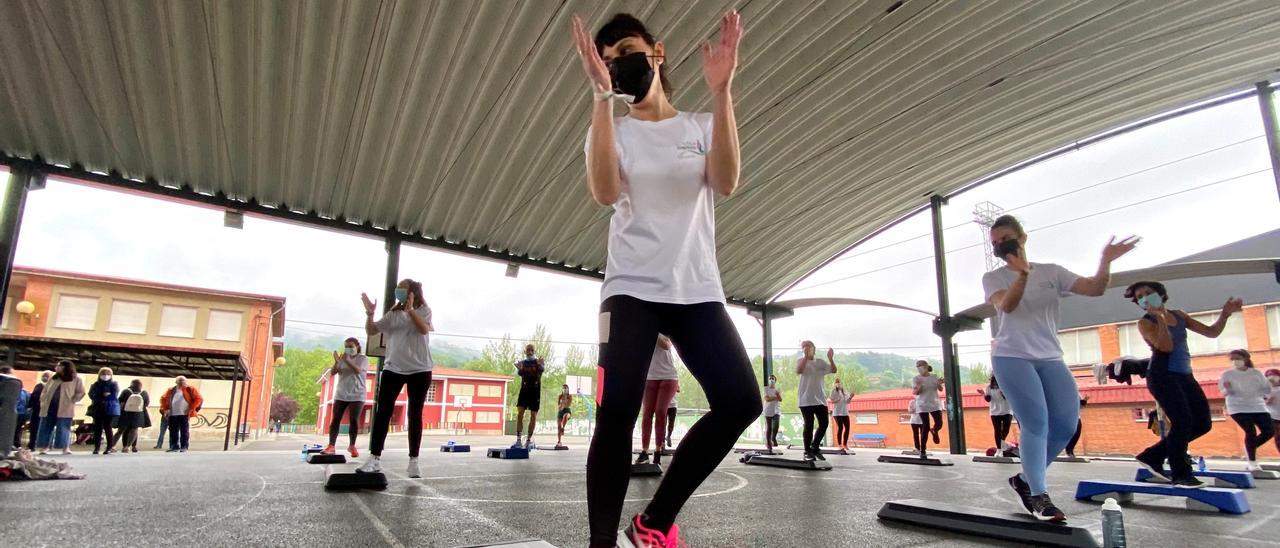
x=866 y=418
x=431 y=393
x=1273 y=324
x=76 y=312
x=1232 y=336
x=458 y=416
x=177 y=321
x=8 y=311
x=128 y=317
x=1081 y=346
x=904 y=418
x=1140 y=414
x=462 y=389
x=1131 y=342
x=489 y=391
x=1217 y=413
x=487 y=417
x=224 y=325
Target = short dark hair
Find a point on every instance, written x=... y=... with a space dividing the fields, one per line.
x=625 y=25
x=1011 y=222
x=6 y=369
x=1131 y=291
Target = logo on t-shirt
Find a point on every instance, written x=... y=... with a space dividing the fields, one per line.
x=691 y=149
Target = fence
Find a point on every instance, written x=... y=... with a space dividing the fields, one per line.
x=790 y=428
x=293 y=428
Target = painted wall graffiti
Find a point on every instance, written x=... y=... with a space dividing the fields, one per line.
x=219 y=420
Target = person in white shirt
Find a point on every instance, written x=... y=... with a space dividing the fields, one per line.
x=1001 y=416
x=659 y=390
x=840 y=414
x=1273 y=403
x=660 y=170
x=813 y=406
x=1027 y=357
x=405 y=332
x=1247 y=390
x=926 y=386
x=772 y=413
x=917 y=427
x=351 y=369
x=671 y=418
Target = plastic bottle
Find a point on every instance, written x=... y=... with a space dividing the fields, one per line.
x=1200 y=464
x=303 y=455
x=1112 y=525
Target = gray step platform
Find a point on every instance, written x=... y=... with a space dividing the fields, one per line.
x=646 y=469
x=1077 y=460
x=1271 y=467
x=352 y=481
x=527 y=543
x=927 y=461
x=317 y=458
x=780 y=462
x=741 y=450
x=455 y=448
x=553 y=448
x=1265 y=474
x=996 y=460
x=507 y=453
x=1020 y=529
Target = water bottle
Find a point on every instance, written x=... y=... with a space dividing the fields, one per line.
x=1200 y=464
x=1112 y=525
x=303 y=455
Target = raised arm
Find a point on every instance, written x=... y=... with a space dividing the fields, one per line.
x=831 y=360
x=719 y=63
x=1232 y=306
x=1096 y=285
x=370 y=327
x=604 y=177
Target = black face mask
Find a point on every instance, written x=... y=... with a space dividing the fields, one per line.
x=1006 y=248
x=632 y=75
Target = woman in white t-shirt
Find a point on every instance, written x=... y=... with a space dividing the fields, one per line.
x=1273 y=403
x=660 y=170
x=407 y=365
x=1027 y=357
x=839 y=401
x=351 y=368
x=772 y=413
x=926 y=386
x=1247 y=390
x=811 y=397
x=1001 y=416
x=917 y=426
x=659 y=391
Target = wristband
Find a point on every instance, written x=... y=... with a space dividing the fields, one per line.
x=599 y=96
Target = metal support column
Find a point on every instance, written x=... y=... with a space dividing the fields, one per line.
x=1271 y=126
x=945 y=327
x=388 y=299
x=231 y=407
x=15 y=203
x=240 y=410
x=766 y=326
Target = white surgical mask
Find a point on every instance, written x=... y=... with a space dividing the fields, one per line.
x=105 y=377
x=1238 y=364
x=922 y=370
x=351 y=351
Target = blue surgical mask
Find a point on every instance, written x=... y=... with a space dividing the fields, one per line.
x=402 y=294
x=1152 y=300
x=351 y=351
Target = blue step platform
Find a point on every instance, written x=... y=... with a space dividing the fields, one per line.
x=1229 y=501
x=455 y=448
x=508 y=453
x=1221 y=478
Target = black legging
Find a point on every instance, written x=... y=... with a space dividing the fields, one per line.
x=353 y=410
x=771 y=429
x=709 y=345
x=671 y=424
x=101 y=427
x=1186 y=408
x=1071 y=445
x=925 y=430
x=1001 y=425
x=388 y=390
x=813 y=440
x=1258 y=430
x=842 y=430
x=917 y=431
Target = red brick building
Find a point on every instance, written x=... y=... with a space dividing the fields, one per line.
x=450 y=388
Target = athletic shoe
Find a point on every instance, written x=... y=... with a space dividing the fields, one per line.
x=1023 y=491
x=371 y=466
x=517 y=444
x=528 y=443
x=135 y=449
x=170 y=450
x=95 y=451
x=1044 y=510
x=352 y=451
x=668 y=444
x=1189 y=482
x=413 y=471
x=643 y=458
x=999 y=453
x=183 y=450
x=328 y=450
x=935 y=437
x=1156 y=467
x=66 y=451
x=1071 y=455
x=636 y=535
x=1252 y=466
x=818 y=455
x=809 y=456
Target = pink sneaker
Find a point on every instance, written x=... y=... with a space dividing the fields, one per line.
x=636 y=535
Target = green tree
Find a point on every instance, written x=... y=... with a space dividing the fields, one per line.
x=978 y=373
x=297 y=379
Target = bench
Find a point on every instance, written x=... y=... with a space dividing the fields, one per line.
x=868 y=440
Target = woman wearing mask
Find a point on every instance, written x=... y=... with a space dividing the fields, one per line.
x=810 y=397
x=1273 y=403
x=1027 y=357
x=405 y=332
x=1001 y=416
x=1247 y=390
x=840 y=414
x=926 y=387
x=772 y=413
x=134 y=402
x=917 y=428
x=660 y=169
x=33 y=408
x=58 y=405
x=351 y=367
x=1170 y=381
x=104 y=401
x=659 y=389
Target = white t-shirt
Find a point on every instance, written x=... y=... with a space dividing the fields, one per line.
x=839 y=403
x=663 y=366
x=999 y=405
x=927 y=399
x=771 y=408
x=672 y=405
x=1273 y=406
x=408 y=351
x=811 y=390
x=662 y=237
x=1031 y=330
x=351 y=386
x=178 y=406
x=1248 y=390
x=911 y=410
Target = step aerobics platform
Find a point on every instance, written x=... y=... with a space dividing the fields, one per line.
x=320 y=458
x=1021 y=529
x=782 y=462
x=927 y=461
x=507 y=453
x=351 y=481
x=646 y=469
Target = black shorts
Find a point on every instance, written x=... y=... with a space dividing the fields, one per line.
x=564 y=413
x=530 y=399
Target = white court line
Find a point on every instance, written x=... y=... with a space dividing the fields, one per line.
x=741 y=482
x=1249 y=529
x=443 y=477
x=377 y=523
x=474 y=514
x=261 y=489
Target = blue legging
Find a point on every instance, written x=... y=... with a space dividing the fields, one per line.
x=1043 y=396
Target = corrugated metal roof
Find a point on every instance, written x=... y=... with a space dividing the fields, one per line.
x=465 y=120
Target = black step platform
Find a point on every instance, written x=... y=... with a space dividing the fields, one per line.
x=455 y=448
x=552 y=448
x=741 y=450
x=781 y=462
x=1021 y=529
x=352 y=481
x=318 y=458
x=507 y=453
x=927 y=461
x=665 y=452
x=1078 y=460
x=996 y=460
x=646 y=469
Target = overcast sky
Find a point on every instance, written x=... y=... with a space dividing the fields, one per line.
x=1190 y=204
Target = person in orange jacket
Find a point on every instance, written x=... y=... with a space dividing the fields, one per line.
x=179 y=404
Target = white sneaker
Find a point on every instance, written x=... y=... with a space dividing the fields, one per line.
x=517 y=444
x=413 y=471
x=1253 y=466
x=528 y=443
x=371 y=466
x=999 y=453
